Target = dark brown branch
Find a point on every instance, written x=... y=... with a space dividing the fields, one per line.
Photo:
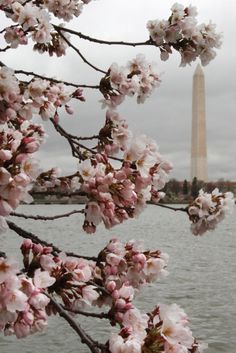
x=57 y=192
x=26 y=2
x=5 y=9
x=88 y=314
x=5 y=49
x=84 y=138
x=100 y=41
x=74 y=140
x=45 y=218
x=31 y=73
x=74 y=145
x=4 y=29
x=74 y=137
x=183 y=209
x=54 y=80
x=28 y=235
x=60 y=30
x=86 y=148
x=85 y=338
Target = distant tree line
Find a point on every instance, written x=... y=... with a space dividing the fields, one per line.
x=187 y=190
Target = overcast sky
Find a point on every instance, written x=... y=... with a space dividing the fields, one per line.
x=166 y=115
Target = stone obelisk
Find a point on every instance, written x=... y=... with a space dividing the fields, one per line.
x=199 y=145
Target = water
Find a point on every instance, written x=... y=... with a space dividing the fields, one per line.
x=202 y=275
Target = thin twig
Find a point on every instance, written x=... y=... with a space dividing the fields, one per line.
x=183 y=209
x=4 y=29
x=28 y=235
x=87 y=313
x=45 y=218
x=55 y=80
x=100 y=41
x=31 y=73
x=26 y=1
x=5 y=49
x=85 y=338
x=74 y=137
x=57 y=192
x=59 y=30
x=74 y=145
x=84 y=138
x=74 y=140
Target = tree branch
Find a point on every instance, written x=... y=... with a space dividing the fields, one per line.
x=5 y=49
x=55 y=80
x=4 y=29
x=73 y=141
x=59 y=30
x=74 y=145
x=100 y=41
x=45 y=218
x=183 y=209
x=86 y=313
x=57 y=192
x=28 y=235
x=85 y=338
x=31 y=73
x=84 y=138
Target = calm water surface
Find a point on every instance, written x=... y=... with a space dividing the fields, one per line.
x=202 y=275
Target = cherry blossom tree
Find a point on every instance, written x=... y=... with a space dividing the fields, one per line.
x=119 y=173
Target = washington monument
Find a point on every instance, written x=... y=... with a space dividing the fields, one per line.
x=199 y=145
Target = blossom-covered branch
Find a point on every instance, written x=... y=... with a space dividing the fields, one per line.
x=180 y=32
x=207 y=210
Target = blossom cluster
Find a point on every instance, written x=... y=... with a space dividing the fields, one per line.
x=118 y=194
x=39 y=97
x=29 y=16
x=115 y=135
x=65 y=9
x=22 y=301
x=207 y=210
x=33 y=20
x=168 y=330
x=165 y=329
x=182 y=33
x=71 y=274
x=17 y=167
x=124 y=268
x=136 y=78
x=120 y=270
